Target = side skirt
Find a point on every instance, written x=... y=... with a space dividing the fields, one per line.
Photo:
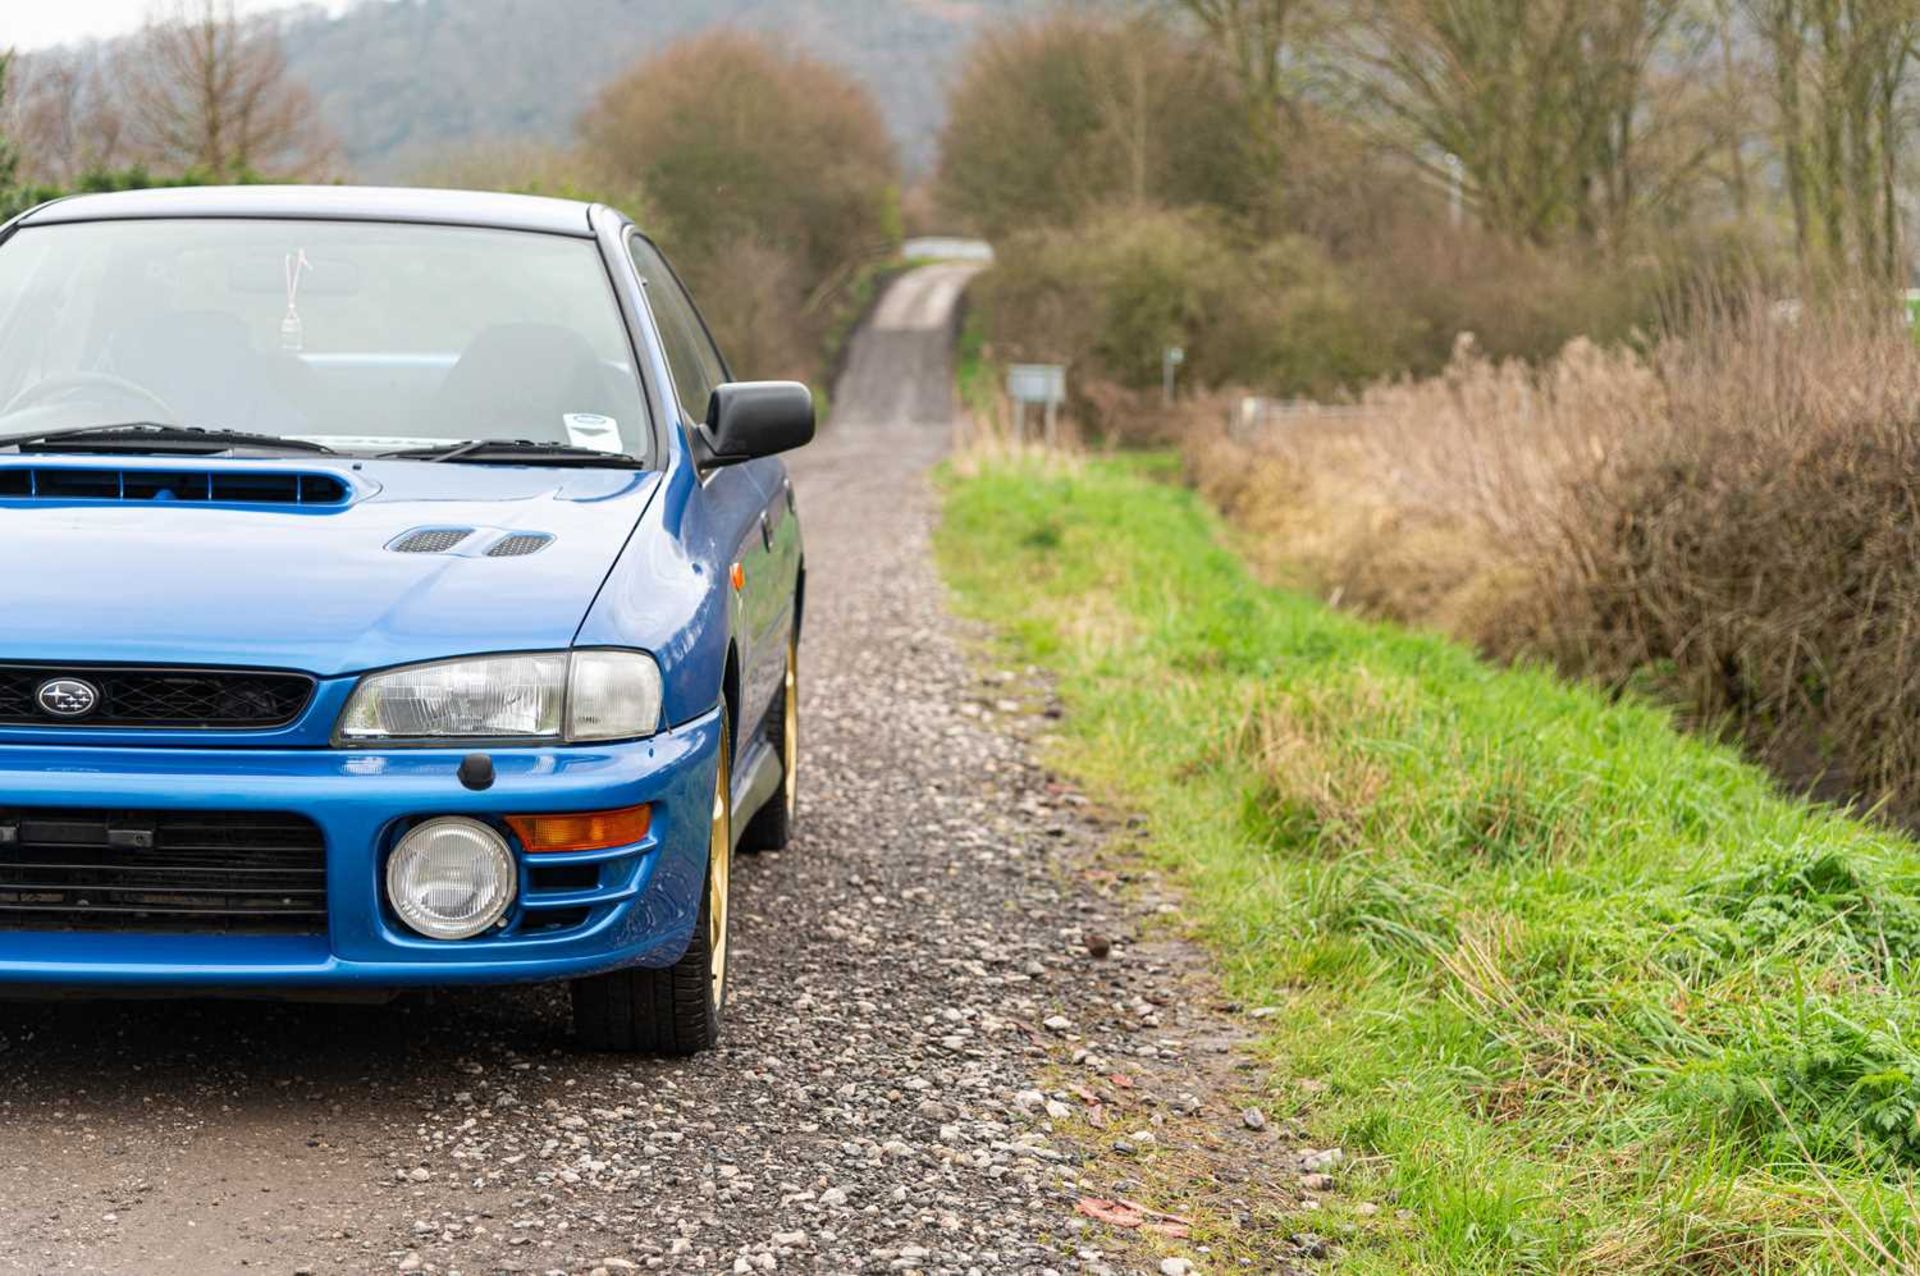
x=756 y=778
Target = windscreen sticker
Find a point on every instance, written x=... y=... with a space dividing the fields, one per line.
x=591 y=430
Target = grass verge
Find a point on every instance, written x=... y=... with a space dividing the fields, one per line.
x=1585 y=993
x=975 y=377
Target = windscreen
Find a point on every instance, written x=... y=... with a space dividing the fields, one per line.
x=365 y=336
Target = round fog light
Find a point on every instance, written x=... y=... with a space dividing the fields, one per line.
x=451 y=878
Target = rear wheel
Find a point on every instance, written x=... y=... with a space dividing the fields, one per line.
x=772 y=828
x=675 y=1010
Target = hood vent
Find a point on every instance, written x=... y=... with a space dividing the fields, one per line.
x=430 y=540
x=202 y=487
x=520 y=544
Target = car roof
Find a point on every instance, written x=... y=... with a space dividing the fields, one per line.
x=322 y=203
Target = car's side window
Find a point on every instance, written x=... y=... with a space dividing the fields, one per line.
x=696 y=365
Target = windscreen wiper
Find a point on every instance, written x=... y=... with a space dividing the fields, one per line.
x=138 y=436
x=481 y=451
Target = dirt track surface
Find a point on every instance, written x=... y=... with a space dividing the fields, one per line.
x=909 y=975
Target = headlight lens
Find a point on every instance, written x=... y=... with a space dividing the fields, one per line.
x=451 y=878
x=571 y=696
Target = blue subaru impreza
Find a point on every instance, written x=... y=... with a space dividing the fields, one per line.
x=398 y=591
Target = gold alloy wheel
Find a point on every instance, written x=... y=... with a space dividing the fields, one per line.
x=790 y=729
x=719 y=872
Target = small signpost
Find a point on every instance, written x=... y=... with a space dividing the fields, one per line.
x=1040 y=384
x=1169 y=371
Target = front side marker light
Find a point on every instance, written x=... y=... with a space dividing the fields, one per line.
x=612 y=695
x=591 y=831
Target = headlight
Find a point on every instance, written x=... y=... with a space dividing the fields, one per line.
x=558 y=696
x=451 y=878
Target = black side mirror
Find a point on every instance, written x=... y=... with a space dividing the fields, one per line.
x=750 y=419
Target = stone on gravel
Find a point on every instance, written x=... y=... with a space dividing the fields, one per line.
x=1254 y=1118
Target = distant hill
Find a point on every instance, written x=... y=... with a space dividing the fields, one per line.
x=400 y=79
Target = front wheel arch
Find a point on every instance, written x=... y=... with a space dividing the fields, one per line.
x=730 y=697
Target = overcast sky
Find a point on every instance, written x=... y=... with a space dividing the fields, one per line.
x=34 y=24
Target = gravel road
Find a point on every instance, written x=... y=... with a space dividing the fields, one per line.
x=918 y=1027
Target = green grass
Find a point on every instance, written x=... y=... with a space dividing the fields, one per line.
x=1587 y=993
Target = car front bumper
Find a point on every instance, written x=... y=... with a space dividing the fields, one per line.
x=640 y=911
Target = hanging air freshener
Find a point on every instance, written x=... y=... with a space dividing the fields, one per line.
x=292 y=338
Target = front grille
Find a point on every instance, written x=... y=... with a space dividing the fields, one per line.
x=174 y=872
x=243 y=700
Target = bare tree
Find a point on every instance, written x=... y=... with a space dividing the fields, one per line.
x=1839 y=67
x=61 y=110
x=9 y=154
x=1257 y=38
x=1733 y=99
x=1545 y=103
x=209 y=92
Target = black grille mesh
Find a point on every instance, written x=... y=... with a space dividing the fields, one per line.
x=194 y=872
x=231 y=699
x=431 y=540
x=520 y=544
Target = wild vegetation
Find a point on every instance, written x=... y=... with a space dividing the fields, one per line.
x=1576 y=992
x=769 y=176
x=1723 y=522
x=1605 y=295
x=200 y=95
x=200 y=89
x=1601 y=302
x=1291 y=142
x=1529 y=172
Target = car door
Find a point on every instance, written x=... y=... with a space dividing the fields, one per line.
x=739 y=497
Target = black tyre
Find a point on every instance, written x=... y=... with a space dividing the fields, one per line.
x=674 y=1010
x=771 y=829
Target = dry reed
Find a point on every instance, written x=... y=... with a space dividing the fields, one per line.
x=1735 y=517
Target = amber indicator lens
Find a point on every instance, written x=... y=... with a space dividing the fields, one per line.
x=589 y=831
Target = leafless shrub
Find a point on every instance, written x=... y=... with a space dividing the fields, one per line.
x=62 y=111
x=768 y=177
x=735 y=139
x=1764 y=548
x=1736 y=516
x=1079 y=112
